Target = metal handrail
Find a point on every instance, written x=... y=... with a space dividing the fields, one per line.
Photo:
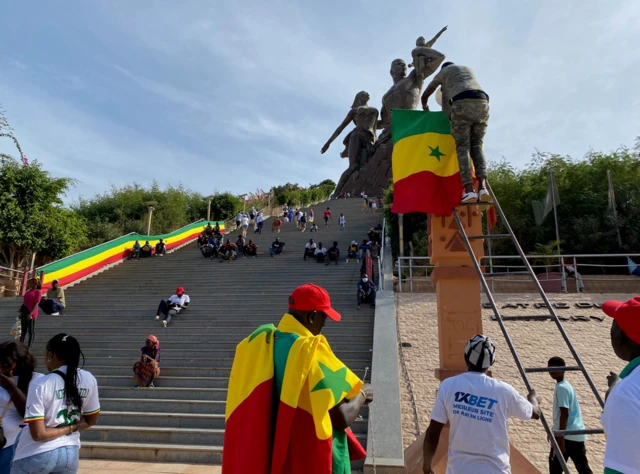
x=11 y=270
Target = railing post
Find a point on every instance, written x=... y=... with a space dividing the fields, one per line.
x=410 y=275
x=575 y=269
x=42 y=277
x=25 y=278
x=400 y=274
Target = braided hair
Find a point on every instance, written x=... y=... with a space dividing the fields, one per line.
x=66 y=348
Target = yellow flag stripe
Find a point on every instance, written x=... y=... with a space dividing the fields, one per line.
x=246 y=373
x=418 y=153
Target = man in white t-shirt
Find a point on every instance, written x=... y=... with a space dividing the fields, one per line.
x=310 y=249
x=477 y=408
x=621 y=415
x=172 y=306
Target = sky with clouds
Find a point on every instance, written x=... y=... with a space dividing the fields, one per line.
x=231 y=95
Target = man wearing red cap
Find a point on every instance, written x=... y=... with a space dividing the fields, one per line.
x=298 y=398
x=621 y=415
x=172 y=306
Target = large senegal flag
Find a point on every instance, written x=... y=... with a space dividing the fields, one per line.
x=426 y=174
x=283 y=383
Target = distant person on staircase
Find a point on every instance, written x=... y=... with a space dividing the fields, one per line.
x=245 y=225
x=60 y=405
x=277 y=225
x=343 y=221
x=29 y=311
x=366 y=291
x=352 y=252
x=310 y=249
x=298 y=424
x=238 y=220
x=572 y=272
x=251 y=249
x=161 y=248
x=276 y=247
x=147 y=369
x=320 y=253
x=259 y=223
x=290 y=215
x=314 y=228
x=240 y=243
x=172 y=306
x=228 y=251
x=312 y=215
x=333 y=254
x=146 y=250
x=481 y=443
x=135 y=251
x=327 y=216
x=55 y=301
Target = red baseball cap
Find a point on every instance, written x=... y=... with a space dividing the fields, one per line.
x=627 y=315
x=179 y=290
x=310 y=297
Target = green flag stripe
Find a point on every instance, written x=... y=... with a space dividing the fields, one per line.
x=406 y=123
x=281 y=348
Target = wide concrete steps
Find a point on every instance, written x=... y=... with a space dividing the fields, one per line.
x=182 y=418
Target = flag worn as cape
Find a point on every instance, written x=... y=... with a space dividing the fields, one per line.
x=310 y=380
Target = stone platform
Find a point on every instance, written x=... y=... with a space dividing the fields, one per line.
x=535 y=341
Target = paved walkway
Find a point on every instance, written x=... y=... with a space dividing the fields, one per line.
x=112 y=467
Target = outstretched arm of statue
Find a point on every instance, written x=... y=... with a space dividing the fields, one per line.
x=431 y=88
x=338 y=131
x=384 y=117
x=435 y=38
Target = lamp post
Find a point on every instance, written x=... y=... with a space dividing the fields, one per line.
x=208 y=199
x=150 y=208
x=244 y=202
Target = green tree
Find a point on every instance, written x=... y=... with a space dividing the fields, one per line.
x=32 y=218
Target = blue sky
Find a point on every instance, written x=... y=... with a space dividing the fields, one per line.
x=229 y=95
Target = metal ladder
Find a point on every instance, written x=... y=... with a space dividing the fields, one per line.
x=551 y=316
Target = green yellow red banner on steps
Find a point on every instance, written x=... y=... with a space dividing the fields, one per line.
x=81 y=264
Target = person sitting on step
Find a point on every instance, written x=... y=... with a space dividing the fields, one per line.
x=320 y=253
x=172 y=306
x=310 y=249
x=209 y=250
x=314 y=227
x=251 y=249
x=161 y=248
x=135 y=251
x=240 y=243
x=352 y=252
x=228 y=251
x=216 y=231
x=333 y=254
x=146 y=250
x=276 y=247
x=147 y=369
x=366 y=245
x=208 y=230
x=54 y=301
x=366 y=291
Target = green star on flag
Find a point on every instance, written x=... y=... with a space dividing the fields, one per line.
x=436 y=152
x=334 y=381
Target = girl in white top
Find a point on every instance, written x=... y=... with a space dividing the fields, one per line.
x=16 y=371
x=59 y=406
x=343 y=222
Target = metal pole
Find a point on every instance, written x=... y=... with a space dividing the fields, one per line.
x=25 y=278
x=400 y=274
x=612 y=200
x=209 y=211
x=490 y=256
x=149 y=223
x=575 y=270
x=555 y=218
x=411 y=274
x=401 y=233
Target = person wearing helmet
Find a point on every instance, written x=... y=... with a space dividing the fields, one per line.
x=172 y=306
x=477 y=408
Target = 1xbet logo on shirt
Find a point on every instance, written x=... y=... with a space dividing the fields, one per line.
x=474 y=401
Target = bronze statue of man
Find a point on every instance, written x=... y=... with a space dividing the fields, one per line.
x=405 y=91
x=359 y=142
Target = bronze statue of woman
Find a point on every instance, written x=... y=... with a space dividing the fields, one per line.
x=359 y=142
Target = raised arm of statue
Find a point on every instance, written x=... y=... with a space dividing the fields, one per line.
x=435 y=38
x=338 y=131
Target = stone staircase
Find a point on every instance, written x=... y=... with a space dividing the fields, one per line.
x=182 y=419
